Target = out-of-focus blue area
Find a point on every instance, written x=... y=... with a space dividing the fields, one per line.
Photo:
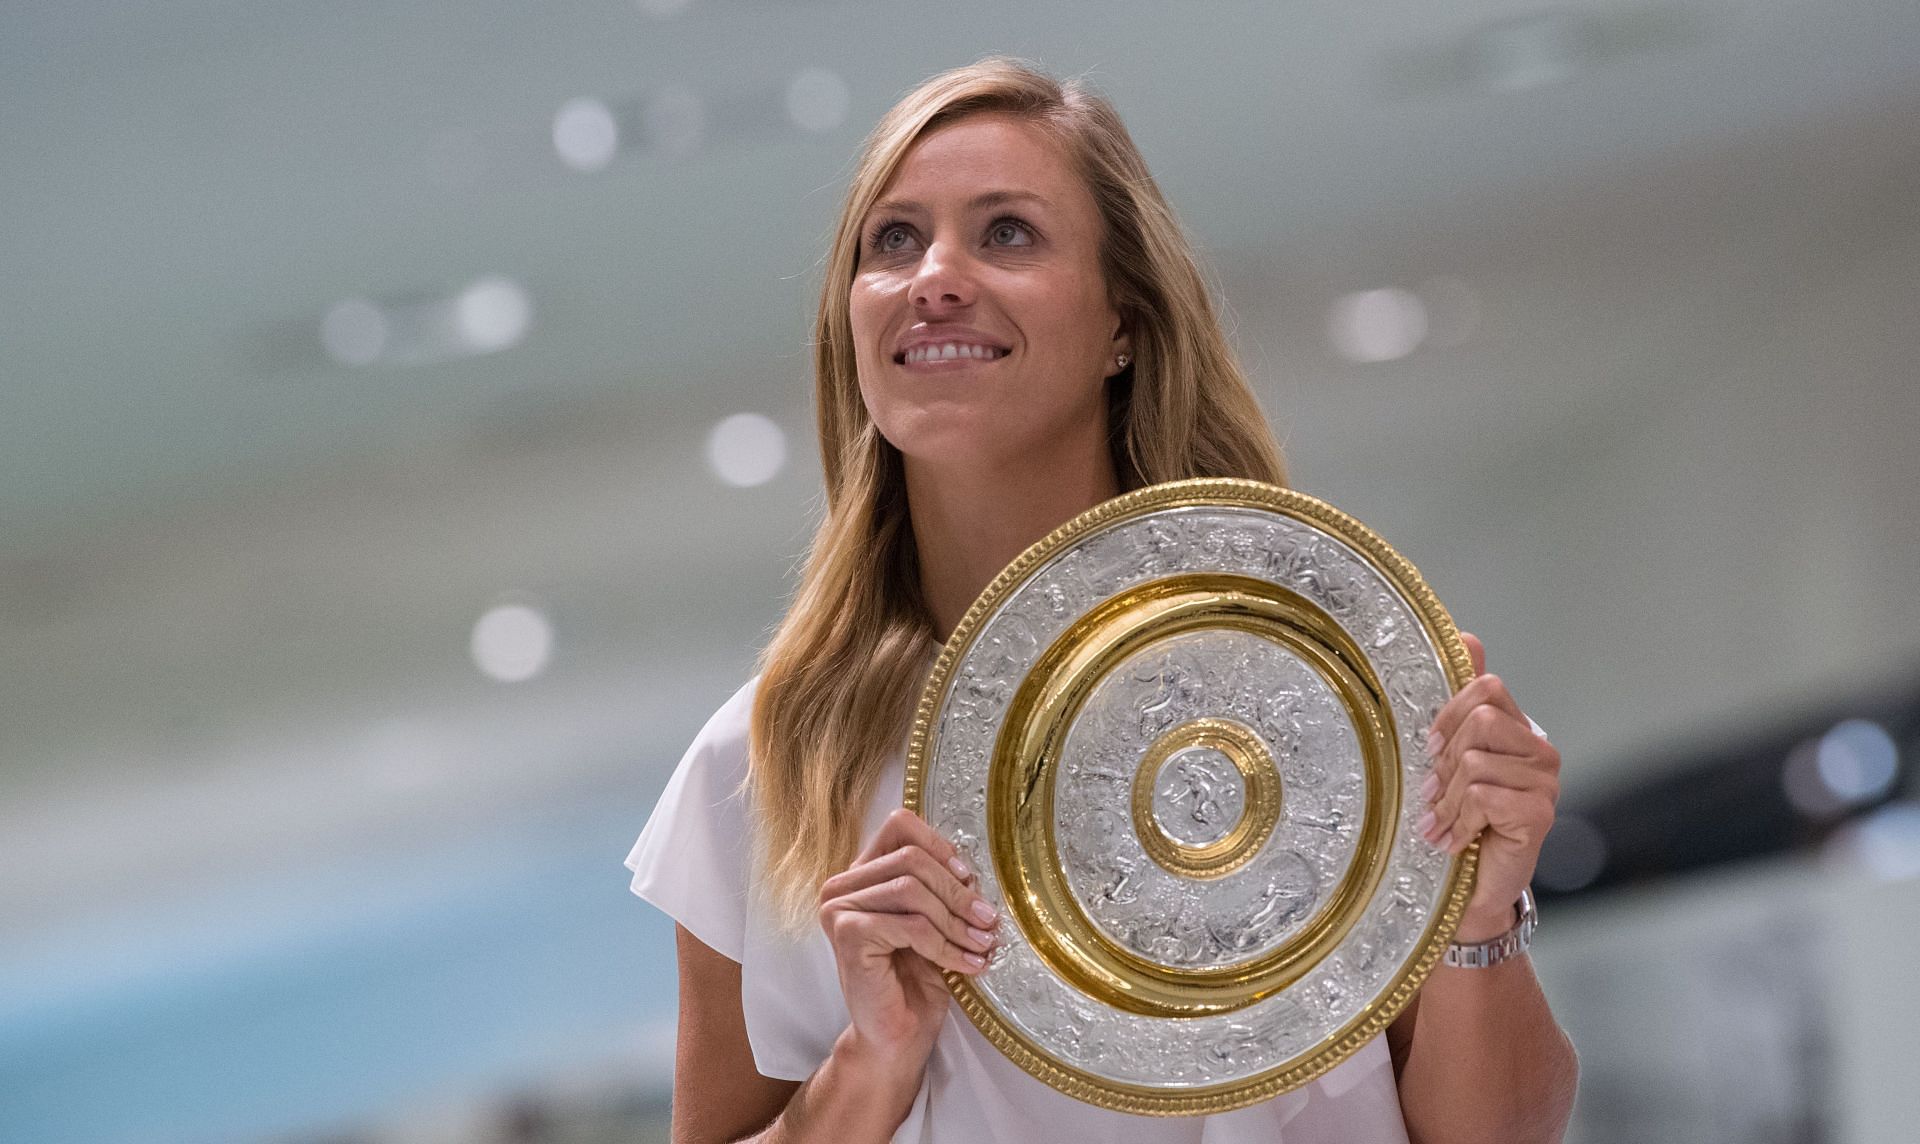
x=528 y=962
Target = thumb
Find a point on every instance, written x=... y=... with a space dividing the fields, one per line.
x=1476 y=651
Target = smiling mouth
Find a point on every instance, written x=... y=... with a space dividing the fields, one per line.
x=949 y=351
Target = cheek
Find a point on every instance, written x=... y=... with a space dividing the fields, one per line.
x=867 y=309
x=1083 y=311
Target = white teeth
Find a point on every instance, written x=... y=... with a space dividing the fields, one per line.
x=950 y=351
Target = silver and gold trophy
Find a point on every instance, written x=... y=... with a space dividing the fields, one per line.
x=1179 y=739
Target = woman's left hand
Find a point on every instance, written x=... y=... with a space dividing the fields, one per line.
x=1492 y=773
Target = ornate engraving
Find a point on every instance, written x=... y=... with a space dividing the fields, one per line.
x=1197 y=798
x=1153 y=911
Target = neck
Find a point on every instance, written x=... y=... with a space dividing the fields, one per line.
x=970 y=522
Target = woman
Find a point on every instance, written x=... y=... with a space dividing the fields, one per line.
x=1012 y=330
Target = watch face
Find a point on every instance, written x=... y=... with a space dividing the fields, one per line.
x=1175 y=738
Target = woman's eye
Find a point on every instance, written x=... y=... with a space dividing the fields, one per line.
x=892 y=238
x=1009 y=233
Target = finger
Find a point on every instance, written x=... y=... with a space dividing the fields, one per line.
x=907 y=894
x=870 y=934
x=1476 y=652
x=1490 y=726
x=1476 y=769
x=905 y=828
x=1495 y=729
x=959 y=898
x=1483 y=689
x=1520 y=816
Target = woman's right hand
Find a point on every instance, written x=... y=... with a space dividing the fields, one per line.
x=904 y=910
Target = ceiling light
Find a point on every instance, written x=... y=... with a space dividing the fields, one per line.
x=817 y=100
x=1857 y=761
x=585 y=134
x=746 y=449
x=1376 y=325
x=512 y=642
x=492 y=314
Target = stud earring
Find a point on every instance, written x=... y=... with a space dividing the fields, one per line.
x=1121 y=360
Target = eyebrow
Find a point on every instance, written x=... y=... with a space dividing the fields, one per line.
x=978 y=202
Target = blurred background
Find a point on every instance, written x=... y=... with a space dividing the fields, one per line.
x=405 y=445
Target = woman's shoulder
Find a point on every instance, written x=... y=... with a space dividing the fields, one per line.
x=713 y=771
x=693 y=857
x=726 y=733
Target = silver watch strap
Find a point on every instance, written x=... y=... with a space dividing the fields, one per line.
x=1489 y=953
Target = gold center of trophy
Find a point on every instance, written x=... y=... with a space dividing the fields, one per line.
x=1205 y=798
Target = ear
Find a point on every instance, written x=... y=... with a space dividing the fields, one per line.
x=1122 y=343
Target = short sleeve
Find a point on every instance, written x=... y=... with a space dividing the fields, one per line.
x=693 y=857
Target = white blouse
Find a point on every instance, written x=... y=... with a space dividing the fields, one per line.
x=694 y=861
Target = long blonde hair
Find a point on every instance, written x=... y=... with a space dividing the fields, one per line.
x=839 y=679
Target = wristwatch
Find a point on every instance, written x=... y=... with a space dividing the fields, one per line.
x=1493 y=951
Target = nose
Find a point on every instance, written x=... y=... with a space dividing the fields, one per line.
x=943 y=279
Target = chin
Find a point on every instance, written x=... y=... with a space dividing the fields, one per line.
x=953 y=442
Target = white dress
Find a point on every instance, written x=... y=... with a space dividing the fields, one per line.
x=693 y=861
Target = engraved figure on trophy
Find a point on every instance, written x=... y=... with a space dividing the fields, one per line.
x=1382 y=625
x=1282 y=551
x=1202 y=783
x=1163 y=548
x=1058 y=601
x=1183 y=940
x=1289 y=895
x=1120 y=888
x=1417 y=686
x=1281 y=711
x=1239 y=1042
x=1107 y=563
x=1010 y=645
x=1344 y=588
x=979 y=699
x=1175 y=693
x=1302 y=569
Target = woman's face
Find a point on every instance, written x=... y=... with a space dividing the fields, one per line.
x=981 y=322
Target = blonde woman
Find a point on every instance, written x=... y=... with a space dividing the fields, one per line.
x=1011 y=331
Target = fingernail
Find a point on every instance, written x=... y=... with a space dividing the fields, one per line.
x=1434 y=743
x=960 y=869
x=974 y=960
x=980 y=936
x=1445 y=842
x=983 y=911
x=1430 y=788
x=1425 y=824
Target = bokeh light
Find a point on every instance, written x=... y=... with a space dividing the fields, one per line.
x=512 y=642
x=354 y=332
x=585 y=134
x=493 y=314
x=1574 y=855
x=1376 y=325
x=1857 y=761
x=1888 y=842
x=746 y=449
x=817 y=100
